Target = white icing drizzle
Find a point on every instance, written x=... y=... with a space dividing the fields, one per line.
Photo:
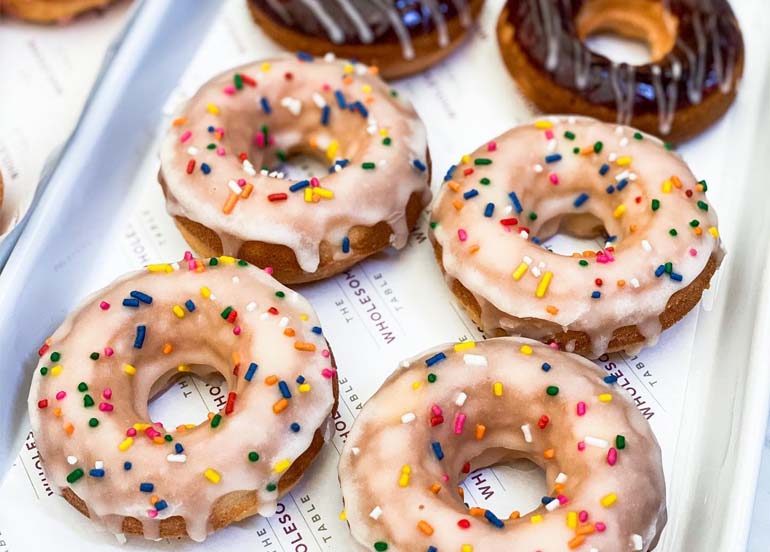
x=364 y=32
x=333 y=30
x=439 y=21
x=624 y=88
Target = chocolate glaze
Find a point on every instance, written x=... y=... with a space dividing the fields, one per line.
x=368 y=21
x=708 y=49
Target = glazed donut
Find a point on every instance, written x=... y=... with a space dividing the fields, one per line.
x=129 y=342
x=257 y=115
x=474 y=405
x=400 y=38
x=696 y=50
x=587 y=179
x=50 y=11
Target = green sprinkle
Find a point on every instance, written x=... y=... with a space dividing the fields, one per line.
x=704 y=185
x=211 y=146
x=433 y=224
x=55 y=357
x=93 y=422
x=88 y=401
x=82 y=387
x=386 y=141
x=43 y=370
x=281 y=155
x=620 y=442
x=703 y=206
x=215 y=420
x=533 y=216
x=168 y=438
x=482 y=161
x=280 y=294
x=213 y=261
x=225 y=313
x=638 y=135
x=598 y=147
x=575 y=150
x=253 y=456
x=242 y=263
x=94 y=356
x=655 y=204
x=673 y=232
x=74 y=475
x=668 y=146
x=394 y=92
x=694 y=223
x=380 y=546
x=368 y=166
x=569 y=135
x=669 y=267
x=238 y=81
x=552 y=390
x=432 y=378
x=583 y=262
x=271 y=487
x=485 y=181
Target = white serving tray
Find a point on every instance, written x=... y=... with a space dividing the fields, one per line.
x=102 y=213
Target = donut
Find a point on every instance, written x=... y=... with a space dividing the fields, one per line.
x=472 y=405
x=585 y=178
x=400 y=38
x=50 y=11
x=222 y=178
x=696 y=51
x=135 y=338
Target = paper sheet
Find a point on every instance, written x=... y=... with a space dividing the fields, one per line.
x=383 y=310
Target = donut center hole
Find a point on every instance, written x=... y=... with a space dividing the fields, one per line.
x=573 y=233
x=507 y=489
x=187 y=398
x=631 y=31
x=302 y=164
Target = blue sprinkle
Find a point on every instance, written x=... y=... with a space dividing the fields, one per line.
x=131 y=303
x=493 y=519
x=553 y=158
x=178 y=448
x=419 y=165
x=205 y=168
x=610 y=189
x=546 y=499
x=161 y=505
x=545 y=367
x=622 y=184
x=251 y=371
x=190 y=305
x=579 y=200
x=489 y=209
x=676 y=277
x=432 y=549
x=516 y=202
x=304 y=56
x=143 y=297
x=604 y=168
x=300 y=379
x=596 y=294
x=295 y=427
x=96 y=473
x=609 y=380
x=435 y=359
x=471 y=193
x=346 y=244
x=437 y=450
x=127 y=466
x=450 y=173
x=325 y=112
x=536 y=240
x=299 y=185
x=611 y=239
x=146 y=487
x=141 y=332
x=358 y=106
x=284 y=388
x=316 y=330
x=660 y=270
x=340 y=98
x=211 y=129
x=265 y=105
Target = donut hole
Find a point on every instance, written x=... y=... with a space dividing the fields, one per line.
x=631 y=31
x=516 y=485
x=572 y=233
x=182 y=398
x=303 y=163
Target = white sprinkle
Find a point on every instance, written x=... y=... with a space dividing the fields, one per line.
x=551 y=506
x=571 y=119
x=646 y=245
x=361 y=69
x=551 y=145
x=538 y=168
x=622 y=175
x=356 y=451
x=561 y=478
x=527 y=433
x=249 y=168
x=329 y=57
x=623 y=142
x=508 y=209
x=72 y=460
x=596 y=442
x=264 y=172
x=212 y=297
x=376 y=513
x=371 y=129
x=99 y=464
x=175 y=266
x=294 y=105
x=284 y=322
x=263 y=316
x=524 y=234
x=618 y=129
x=632 y=176
x=637 y=543
x=319 y=100
x=408 y=418
x=192 y=150
x=461 y=398
x=405 y=364
x=527 y=260
x=236 y=280
x=251 y=307
x=594 y=549
x=634 y=282
x=536 y=271
x=612 y=157
x=475 y=360
x=177 y=458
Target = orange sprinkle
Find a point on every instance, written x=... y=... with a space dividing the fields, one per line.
x=181 y=428
x=514 y=515
x=236 y=359
x=458 y=204
x=698 y=230
x=676 y=182
x=347 y=79
x=167 y=348
x=585 y=529
x=210 y=415
x=480 y=430
x=69 y=428
x=552 y=310
x=548 y=454
x=154 y=499
x=699 y=187
x=621 y=283
x=435 y=488
x=158 y=440
x=374 y=70
x=304 y=346
x=558 y=488
x=370 y=99
x=474 y=248
x=280 y=406
x=576 y=541
x=454 y=186
x=589 y=254
x=425 y=527
x=289 y=332
x=477 y=512
x=179 y=121
x=588 y=150
x=246 y=190
x=57 y=411
x=461 y=492
x=229 y=205
x=271 y=380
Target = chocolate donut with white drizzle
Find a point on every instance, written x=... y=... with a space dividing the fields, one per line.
x=401 y=38
x=696 y=48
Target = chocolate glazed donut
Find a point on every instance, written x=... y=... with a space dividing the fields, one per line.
x=400 y=37
x=696 y=48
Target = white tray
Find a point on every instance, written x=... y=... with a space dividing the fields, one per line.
x=706 y=381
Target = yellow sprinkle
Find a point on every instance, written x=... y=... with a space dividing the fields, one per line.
x=609 y=500
x=323 y=192
x=205 y=292
x=623 y=161
x=666 y=188
x=619 y=210
x=714 y=232
x=265 y=67
x=526 y=349
x=572 y=520
x=348 y=68
x=403 y=481
x=183 y=368
x=308 y=195
x=178 y=311
x=304 y=387
x=331 y=151
x=605 y=397
x=543 y=124
x=140 y=427
x=383 y=132
x=465 y=158
x=160 y=268
x=56 y=370
x=366 y=89
x=542 y=287
x=128 y=369
x=281 y=466
x=227 y=260
x=303 y=316
x=520 y=271
x=466 y=548
x=126 y=444
x=498 y=389
x=343 y=515
x=211 y=108
x=464 y=345
x=536 y=519
x=416 y=385
x=212 y=475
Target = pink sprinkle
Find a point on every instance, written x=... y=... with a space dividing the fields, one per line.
x=612 y=456
x=436 y=410
x=220 y=151
x=581 y=446
x=108 y=351
x=492 y=146
x=583 y=516
x=229 y=90
x=269 y=270
x=459 y=423
x=237 y=330
x=260 y=140
x=104 y=305
x=328 y=373
x=581 y=408
x=554 y=345
x=325 y=353
x=693 y=252
x=549 y=134
x=326 y=87
x=188 y=256
x=445 y=478
x=151 y=432
x=60 y=395
x=462 y=234
x=152 y=513
x=241 y=182
x=105 y=407
x=553 y=178
x=131 y=432
x=600 y=526
x=185 y=136
x=191 y=264
x=107 y=393
x=562 y=499
x=221 y=132
x=314 y=183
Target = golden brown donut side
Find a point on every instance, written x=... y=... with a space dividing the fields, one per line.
x=50 y=11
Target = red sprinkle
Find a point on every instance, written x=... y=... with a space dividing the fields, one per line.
x=248 y=80
x=230 y=406
x=277 y=197
x=190 y=166
x=41 y=351
x=598 y=282
x=509 y=221
x=543 y=421
x=42 y=403
x=463 y=524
